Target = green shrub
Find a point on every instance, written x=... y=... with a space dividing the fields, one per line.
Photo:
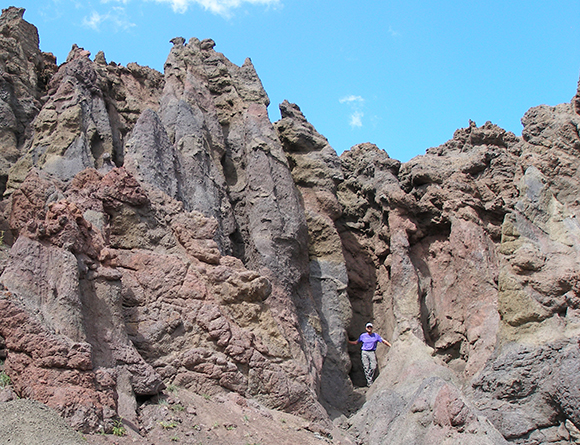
x=167 y=425
x=4 y=380
x=119 y=428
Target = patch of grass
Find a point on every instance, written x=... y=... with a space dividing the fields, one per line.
x=206 y=396
x=119 y=428
x=5 y=380
x=178 y=407
x=245 y=419
x=174 y=439
x=171 y=387
x=168 y=425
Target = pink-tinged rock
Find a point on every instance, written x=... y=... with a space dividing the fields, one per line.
x=118 y=186
x=450 y=411
x=52 y=369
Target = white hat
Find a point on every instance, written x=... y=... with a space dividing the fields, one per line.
x=369 y=325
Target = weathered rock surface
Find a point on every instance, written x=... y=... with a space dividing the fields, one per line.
x=89 y=109
x=160 y=231
x=316 y=171
x=144 y=291
x=25 y=72
x=482 y=264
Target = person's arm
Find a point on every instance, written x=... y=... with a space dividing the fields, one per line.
x=355 y=342
x=386 y=342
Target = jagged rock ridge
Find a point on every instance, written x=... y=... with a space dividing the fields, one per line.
x=162 y=230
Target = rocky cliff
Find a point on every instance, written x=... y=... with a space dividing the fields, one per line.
x=160 y=231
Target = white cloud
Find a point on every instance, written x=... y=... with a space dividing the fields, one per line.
x=355 y=103
x=393 y=33
x=221 y=7
x=115 y=17
x=94 y=21
x=351 y=99
x=356 y=119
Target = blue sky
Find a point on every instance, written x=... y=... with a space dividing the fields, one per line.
x=401 y=74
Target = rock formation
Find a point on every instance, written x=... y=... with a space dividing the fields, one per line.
x=159 y=230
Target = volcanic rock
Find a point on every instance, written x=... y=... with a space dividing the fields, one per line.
x=160 y=232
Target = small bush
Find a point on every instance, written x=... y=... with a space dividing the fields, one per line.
x=119 y=428
x=4 y=380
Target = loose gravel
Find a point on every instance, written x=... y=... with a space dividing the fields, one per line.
x=26 y=422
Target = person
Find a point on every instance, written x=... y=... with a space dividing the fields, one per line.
x=369 y=341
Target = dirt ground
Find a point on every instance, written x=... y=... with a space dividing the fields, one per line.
x=175 y=417
x=26 y=422
x=182 y=417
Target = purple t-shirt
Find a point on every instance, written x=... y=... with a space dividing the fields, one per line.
x=369 y=342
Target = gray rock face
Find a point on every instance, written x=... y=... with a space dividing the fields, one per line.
x=229 y=165
x=316 y=171
x=512 y=392
x=89 y=110
x=150 y=156
x=25 y=73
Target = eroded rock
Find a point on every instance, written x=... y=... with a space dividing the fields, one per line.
x=158 y=230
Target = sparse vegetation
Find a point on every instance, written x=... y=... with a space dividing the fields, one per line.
x=171 y=387
x=119 y=428
x=206 y=396
x=4 y=380
x=168 y=425
x=177 y=407
x=174 y=439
